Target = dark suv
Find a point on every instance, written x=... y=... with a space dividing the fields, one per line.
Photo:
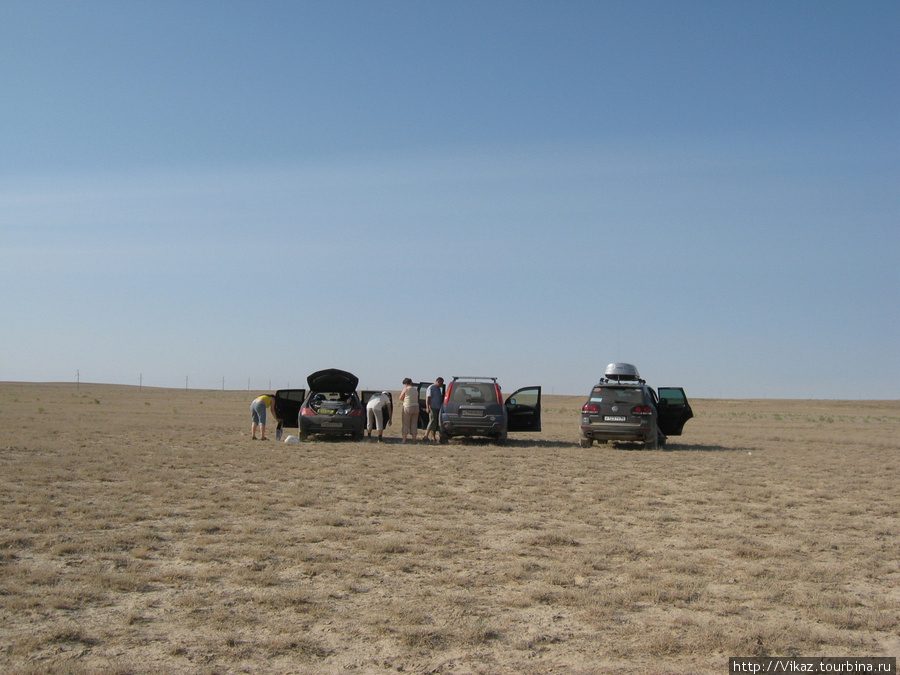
x=622 y=407
x=474 y=406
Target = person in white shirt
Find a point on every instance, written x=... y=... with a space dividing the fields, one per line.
x=379 y=412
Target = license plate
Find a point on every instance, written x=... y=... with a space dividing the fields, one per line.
x=613 y=418
x=332 y=425
x=472 y=413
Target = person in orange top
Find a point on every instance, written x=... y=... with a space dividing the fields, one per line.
x=258 y=415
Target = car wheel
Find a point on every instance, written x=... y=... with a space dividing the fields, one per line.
x=443 y=437
x=501 y=438
x=302 y=434
x=359 y=435
x=587 y=442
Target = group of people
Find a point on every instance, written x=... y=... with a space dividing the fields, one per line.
x=409 y=400
x=379 y=412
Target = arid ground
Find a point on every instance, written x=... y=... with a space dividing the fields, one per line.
x=144 y=532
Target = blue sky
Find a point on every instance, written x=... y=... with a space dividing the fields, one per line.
x=248 y=192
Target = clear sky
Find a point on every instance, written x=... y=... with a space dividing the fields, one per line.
x=247 y=192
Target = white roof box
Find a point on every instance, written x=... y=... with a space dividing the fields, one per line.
x=621 y=371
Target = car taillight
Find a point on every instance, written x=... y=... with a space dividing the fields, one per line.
x=497 y=391
x=356 y=413
x=642 y=410
x=447 y=395
x=590 y=408
x=306 y=411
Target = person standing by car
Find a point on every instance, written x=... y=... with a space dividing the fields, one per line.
x=409 y=397
x=434 y=396
x=258 y=415
x=379 y=412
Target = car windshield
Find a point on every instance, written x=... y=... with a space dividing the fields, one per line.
x=473 y=392
x=621 y=395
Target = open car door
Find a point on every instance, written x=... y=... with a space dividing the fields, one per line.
x=523 y=407
x=287 y=406
x=674 y=410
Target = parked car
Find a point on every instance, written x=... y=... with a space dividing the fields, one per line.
x=622 y=407
x=474 y=406
x=330 y=406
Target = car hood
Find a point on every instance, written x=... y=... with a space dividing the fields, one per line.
x=333 y=379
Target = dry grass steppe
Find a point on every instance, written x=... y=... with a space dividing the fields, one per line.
x=143 y=532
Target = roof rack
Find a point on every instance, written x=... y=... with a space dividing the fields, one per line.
x=617 y=378
x=473 y=377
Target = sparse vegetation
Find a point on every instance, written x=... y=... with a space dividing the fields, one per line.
x=132 y=544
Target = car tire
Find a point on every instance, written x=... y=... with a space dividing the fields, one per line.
x=302 y=434
x=501 y=438
x=587 y=442
x=443 y=437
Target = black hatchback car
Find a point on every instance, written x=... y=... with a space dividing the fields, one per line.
x=330 y=406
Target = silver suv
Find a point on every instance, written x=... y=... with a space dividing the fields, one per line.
x=622 y=407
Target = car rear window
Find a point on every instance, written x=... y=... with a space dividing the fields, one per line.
x=622 y=395
x=473 y=392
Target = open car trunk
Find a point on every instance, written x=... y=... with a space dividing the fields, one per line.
x=332 y=403
x=333 y=380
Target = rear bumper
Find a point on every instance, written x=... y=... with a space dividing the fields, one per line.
x=617 y=432
x=461 y=426
x=319 y=424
